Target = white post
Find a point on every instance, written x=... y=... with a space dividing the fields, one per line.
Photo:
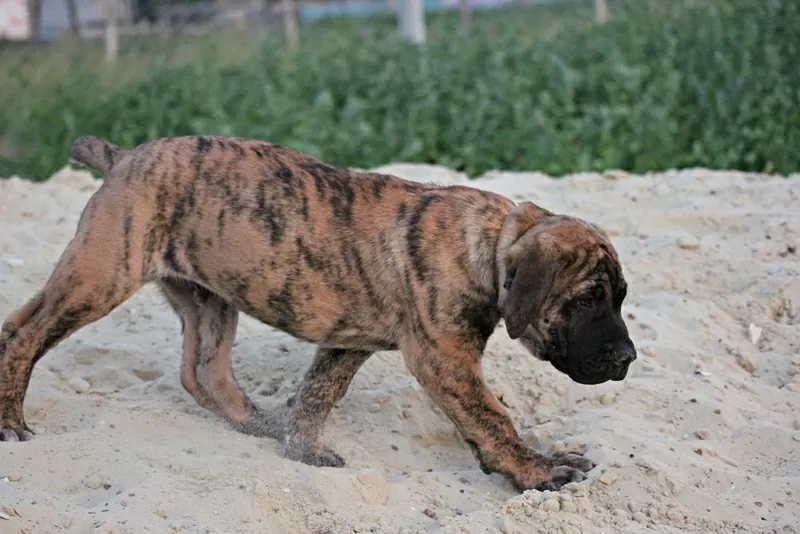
x=466 y=16
x=290 y=24
x=601 y=15
x=112 y=30
x=412 y=20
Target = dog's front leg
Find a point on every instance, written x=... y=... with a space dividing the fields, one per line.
x=452 y=376
x=324 y=384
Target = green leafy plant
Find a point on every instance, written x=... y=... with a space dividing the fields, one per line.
x=663 y=85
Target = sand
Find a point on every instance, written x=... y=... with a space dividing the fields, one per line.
x=703 y=435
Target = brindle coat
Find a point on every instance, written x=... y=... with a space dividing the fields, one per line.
x=353 y=262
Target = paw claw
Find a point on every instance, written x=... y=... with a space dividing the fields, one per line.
x=562 y=475
x=574 y=460
x=565 y=467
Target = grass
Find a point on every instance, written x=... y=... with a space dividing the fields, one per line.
x=665 y=84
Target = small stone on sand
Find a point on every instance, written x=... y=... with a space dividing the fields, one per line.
x=79 y=385
x=147 y=374
x=550 y=505
x=755 y=333
x=94 y=483
x=608 y=478
x=688 y=242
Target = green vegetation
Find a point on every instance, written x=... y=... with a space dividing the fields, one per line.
x=665 y=84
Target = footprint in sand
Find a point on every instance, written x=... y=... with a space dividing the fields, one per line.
x=108 y=370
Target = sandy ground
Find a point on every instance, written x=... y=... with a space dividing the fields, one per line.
x=703 y=435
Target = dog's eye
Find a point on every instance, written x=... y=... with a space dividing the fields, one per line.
x=599 y=293
x=587 y=300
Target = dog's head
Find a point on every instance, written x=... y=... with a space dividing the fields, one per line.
x=561 y=294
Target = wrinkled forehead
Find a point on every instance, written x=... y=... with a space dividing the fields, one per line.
x=595 y=261
x=579 y=234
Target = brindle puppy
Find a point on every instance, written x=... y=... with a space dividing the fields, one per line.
x=354 y=262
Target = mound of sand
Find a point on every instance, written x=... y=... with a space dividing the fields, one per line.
x=703 y=436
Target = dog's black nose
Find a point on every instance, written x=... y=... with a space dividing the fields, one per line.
x=621 y=353
x=626 y=355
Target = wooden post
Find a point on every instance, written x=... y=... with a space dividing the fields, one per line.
x=412 y=20
x=466 y=16
x=289 y=9
x=112 y=30
x=601 y=14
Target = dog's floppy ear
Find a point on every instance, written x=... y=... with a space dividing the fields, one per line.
x=534 y=262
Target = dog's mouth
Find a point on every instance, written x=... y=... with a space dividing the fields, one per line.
x=620 y=374
x=615 y=374
x=587 y=369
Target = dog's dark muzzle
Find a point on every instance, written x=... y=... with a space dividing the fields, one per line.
x=610 y=363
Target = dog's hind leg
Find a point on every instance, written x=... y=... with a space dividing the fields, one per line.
x=97 y=272
x=209 y=326
x=185 y=299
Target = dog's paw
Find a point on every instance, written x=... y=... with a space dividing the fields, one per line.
x=560 y=476
x=15 y=434
x=318 y=456
x=573 y=459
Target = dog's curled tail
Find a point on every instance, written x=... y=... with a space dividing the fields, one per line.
x=96 y=153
